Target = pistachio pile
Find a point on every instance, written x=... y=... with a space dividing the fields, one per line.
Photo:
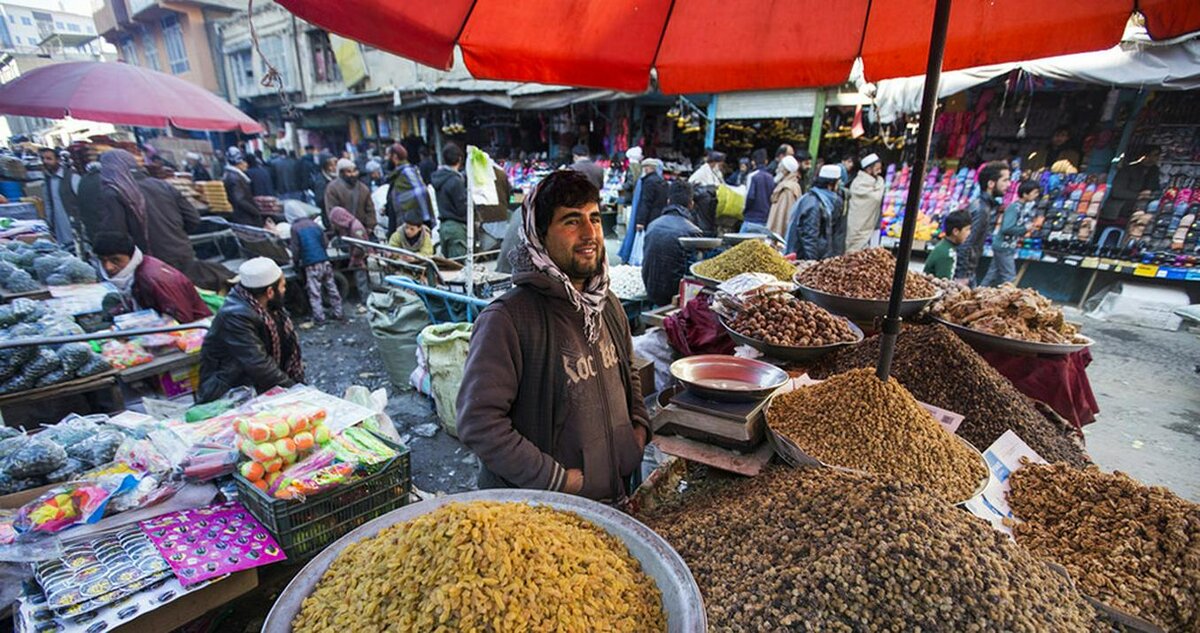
x=1134 y=547
x=857 y=421
x=751 y=256
x=781 y=319
x=816 y=549
x=939 y=369
x=865 y=274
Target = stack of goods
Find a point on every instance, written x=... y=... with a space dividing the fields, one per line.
x=59 y=453
x=865 y=274
x=23 y=265
x=1008 y=311
x=943 y=192
x=941 y=370
x=269 y=205
x=212 y=193
x=751 y=256
x=781 y=319
x=1131 y=546
x=182 y=182
x=626 y=282
x=823 y=550
x=33 y=366
x=485 y=566
x=857 y=421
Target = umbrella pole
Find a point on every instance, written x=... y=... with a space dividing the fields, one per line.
x=933 y=74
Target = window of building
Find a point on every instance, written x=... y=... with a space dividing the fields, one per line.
x=72 y=27
x=242 y=67
x=129 y=52
x=275 y=51
x=324 y=62
x=12 y=19
x=60 y=26
x=150 y=48
x=176 y=51
x=91 y=29
x=26 y=21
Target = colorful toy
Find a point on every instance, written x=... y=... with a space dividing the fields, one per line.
x=252 y=470
x=304 y=441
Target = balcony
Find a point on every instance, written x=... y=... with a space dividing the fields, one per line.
x=112 y=17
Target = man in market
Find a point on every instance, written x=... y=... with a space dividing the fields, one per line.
x=667 y=259
x=653 y=197
x=406 y=191
x=994 y=178
x=549 y=399
x=758 y=194
x=286 y=172
x=240 y=191
x=194 y=164
x=325 y=174
x=818 y=226
x=252 y=341
x=709 y=174
x=348 y=192
x=145 y=281
x=451 y=187
x=1136 y=181
x=776 y=166
x=61 y=187
x=864 y=209
x=1059 y=149
x=586 y=166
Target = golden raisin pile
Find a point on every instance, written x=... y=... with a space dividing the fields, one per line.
x=751 y=256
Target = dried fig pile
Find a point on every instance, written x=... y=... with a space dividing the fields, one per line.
x=863 y=274
x=781 y=319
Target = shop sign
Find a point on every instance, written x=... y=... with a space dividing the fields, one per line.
x=350 y=60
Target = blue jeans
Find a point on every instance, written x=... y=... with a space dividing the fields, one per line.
x=1003 y=267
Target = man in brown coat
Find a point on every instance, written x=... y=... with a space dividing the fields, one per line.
x=346 y=191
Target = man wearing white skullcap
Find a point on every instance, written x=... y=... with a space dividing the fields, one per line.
x=817 y=229
x=252 y=341
x=864 y=210
x=348 y=192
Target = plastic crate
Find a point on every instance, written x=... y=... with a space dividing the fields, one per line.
x=306 y=527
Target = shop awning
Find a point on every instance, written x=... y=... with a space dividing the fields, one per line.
x=725 y=45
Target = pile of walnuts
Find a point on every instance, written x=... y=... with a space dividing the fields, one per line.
x=781 y=319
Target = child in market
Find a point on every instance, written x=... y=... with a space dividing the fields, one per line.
x=944 y=256
x=413 y=235
x=1013 y=225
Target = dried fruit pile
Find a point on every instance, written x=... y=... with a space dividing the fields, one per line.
x=1131 y=546
x=751 y=256
x=485 y=566
x=1019 y=313
x=938 y=368
x=781 y=319
x=822 y=550
x=863 y=274
x=857 y=421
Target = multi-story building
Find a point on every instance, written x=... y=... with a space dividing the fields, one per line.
x=171 y=36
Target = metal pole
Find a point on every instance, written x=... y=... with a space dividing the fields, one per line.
x=818 y=124
x=933 y=75
x=470 y=272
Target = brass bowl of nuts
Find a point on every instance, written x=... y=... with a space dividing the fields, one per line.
x=785 y=328
x=863 y=310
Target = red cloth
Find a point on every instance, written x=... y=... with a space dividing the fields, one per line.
x=1059 y=381
x=695 y=330
x=159 y=286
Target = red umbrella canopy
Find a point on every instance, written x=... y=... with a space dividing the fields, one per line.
x=119 y=93
x=723 y=45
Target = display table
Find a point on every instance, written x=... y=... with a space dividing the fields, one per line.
x=1059 y=381
x=25 y=408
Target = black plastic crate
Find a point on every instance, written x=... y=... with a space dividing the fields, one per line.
x=304 y=528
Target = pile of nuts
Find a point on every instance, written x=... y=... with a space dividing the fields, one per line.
x=857 y=421
x=939 y=369
x=865 y=274
x=1131 y=546
x=485 y=566
x=781 y=319
x=814 y=549
x=751 y=256
x=1008 y=311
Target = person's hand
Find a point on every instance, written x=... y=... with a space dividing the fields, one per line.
x=641 y=227
x=574 y=481
x=639 y=434
x=1145 y=194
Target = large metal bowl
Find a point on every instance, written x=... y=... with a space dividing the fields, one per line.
x=708 y=281
x=728 y=378
x=864 y=310
x=700 y=243
x=790 y=353
x=984 y=340
x=681 y=598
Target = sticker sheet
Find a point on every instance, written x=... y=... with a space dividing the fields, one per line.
x=213 y=541
x=95 y=573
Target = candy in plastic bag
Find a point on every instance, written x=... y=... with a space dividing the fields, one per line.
x=37 y=457
x=74 y=428
x=98 y=449
x=9 y=485
x=75 y=355
x=68 y=471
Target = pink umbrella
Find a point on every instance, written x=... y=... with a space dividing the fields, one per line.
x=119 y=93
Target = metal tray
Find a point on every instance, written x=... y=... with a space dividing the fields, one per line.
x=865 y=310
x=700 y=243
x=708 y=281
x=728 y=378
x=788 y=353
x=681 y=598
x=1016 y=346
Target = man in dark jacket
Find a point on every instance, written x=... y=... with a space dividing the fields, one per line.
x=252 y=341
x=549 y=399
x=240 y=191
x=666 y=260
x=586 y=166
x=406 y=191
x=348 y=192
x=818 y=226
x=427 y=165
x=261 y=182
x=145 y=281
x=320 y=179
x=286 y=172
x=994 y=179
x=451 y=187
x=758 y=195
x=653 y=198
x=61 y=185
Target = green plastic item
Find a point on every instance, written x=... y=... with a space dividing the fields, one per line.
x=446 y=346
x=202 y=412
x=213 y=300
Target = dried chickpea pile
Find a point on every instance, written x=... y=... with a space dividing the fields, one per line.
x=485 y=566
x=814 y=549
x=751 y=256
x=857 y=421
x=938 y=368
x=1131 y=546
x=781 y=319
x=863 y=274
